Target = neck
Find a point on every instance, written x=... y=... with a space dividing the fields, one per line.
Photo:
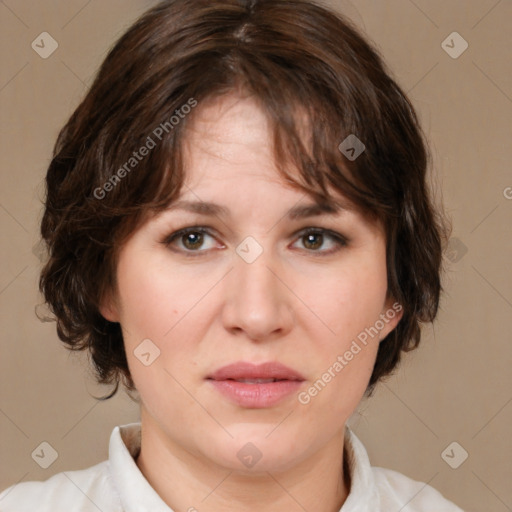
x=192 y=482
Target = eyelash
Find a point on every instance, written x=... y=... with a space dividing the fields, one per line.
x=339 y=239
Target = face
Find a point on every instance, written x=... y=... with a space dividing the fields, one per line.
x=249 y=282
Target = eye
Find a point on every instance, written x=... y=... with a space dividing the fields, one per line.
x=314 y=238
x=190 y=240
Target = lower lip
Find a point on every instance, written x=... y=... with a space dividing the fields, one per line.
x=256 y=395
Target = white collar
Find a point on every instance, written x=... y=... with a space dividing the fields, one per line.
x=137 y=495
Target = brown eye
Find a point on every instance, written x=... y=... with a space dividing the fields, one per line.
x=313 y=241
x=192 y=240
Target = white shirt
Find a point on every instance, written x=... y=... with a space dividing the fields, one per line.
x=117 y=485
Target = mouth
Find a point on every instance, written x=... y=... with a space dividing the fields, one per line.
x=255 y=373
x=256 y=386
x=255 y=381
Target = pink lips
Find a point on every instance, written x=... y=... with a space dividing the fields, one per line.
x=256 y=386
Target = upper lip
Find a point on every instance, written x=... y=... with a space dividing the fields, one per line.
x=245 y=370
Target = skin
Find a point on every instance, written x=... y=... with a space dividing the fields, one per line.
x=300 y=303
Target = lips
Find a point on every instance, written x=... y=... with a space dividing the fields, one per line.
x=256 y=374
x=256 y=386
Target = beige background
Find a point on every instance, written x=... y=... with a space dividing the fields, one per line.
x=456 y=387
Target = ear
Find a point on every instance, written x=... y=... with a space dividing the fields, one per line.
x=108 y=308
x=391 y=314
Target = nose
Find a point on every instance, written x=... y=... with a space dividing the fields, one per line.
x=257 y=302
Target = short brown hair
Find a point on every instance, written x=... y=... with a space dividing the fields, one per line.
x=292 y=56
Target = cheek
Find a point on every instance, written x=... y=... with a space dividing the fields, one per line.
x=350 y=299
x=162 y=305
x=155 y=296
x=350 y=304
x=142 y=316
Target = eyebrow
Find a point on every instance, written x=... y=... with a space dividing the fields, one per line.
x=297 y=212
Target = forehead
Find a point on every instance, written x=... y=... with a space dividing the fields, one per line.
x=230 y=138
x=229 y=158
x=228 y=147
x=229 y=131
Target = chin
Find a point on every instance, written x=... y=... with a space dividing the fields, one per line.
x=250 y=452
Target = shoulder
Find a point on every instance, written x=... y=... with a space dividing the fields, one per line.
x=85 y=490
x=410 y=495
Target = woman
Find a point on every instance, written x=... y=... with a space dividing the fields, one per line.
x=240 y=230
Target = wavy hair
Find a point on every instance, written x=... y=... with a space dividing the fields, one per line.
x=296 y=58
